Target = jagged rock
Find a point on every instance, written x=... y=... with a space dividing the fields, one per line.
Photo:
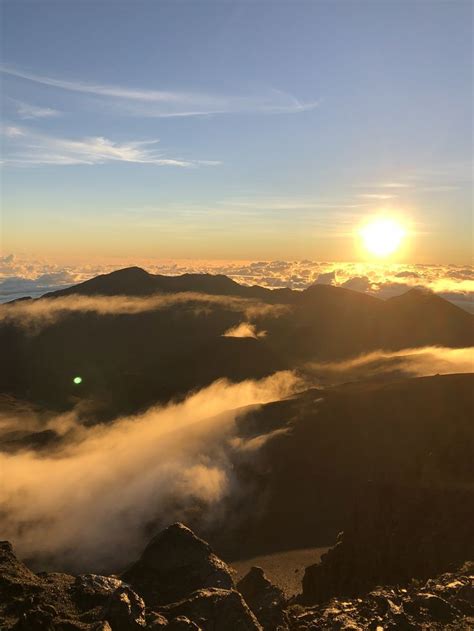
x=215 y=610
x=36 y=619
x=265 y=599
x=438 y=608
x=125 y=610
x=409 y=608
x=174 y=564
x=59 y=602
x=156 y=622
x=92 y=590
x=15 y=578
x=181 y=623
x=30 y=602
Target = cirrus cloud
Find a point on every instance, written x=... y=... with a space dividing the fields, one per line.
x=26 y=147
x=171 y=103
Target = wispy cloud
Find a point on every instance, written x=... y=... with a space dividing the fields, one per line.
x=28 y=111
x=442 y=188
x=36 y=314
x=394 y=185
x=390 y=184
x=30 y=148
x=289 y=203
x=162 y=103
x=418 y=362
x=380 y=196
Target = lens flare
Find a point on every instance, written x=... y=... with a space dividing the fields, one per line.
x=77 y=380
x=382 y=236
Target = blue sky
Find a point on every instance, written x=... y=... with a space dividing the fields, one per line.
x=235 y=129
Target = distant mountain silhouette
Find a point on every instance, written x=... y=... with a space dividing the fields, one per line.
x=129 y=361
x=135 y=281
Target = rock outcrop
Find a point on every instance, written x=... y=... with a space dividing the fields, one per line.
x=125 y=610
x=174 y=564
x=265 y=599
x=215 y=610
x=91 y=602
x=443 y=603
x=397 y=534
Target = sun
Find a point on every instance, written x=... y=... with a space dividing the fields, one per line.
x=382 y=236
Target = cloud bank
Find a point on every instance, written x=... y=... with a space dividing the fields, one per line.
x=411 y=362
x=99 y=494
x=90 y=501
x=27 y=277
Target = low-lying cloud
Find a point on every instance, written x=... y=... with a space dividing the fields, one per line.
x=36 y=314
x=414 y=362
x=95 y=500
x=245 y=329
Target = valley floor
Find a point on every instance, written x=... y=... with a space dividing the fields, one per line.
x=283 y=569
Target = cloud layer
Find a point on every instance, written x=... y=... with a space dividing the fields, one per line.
x=39 y=313
x=27 y=277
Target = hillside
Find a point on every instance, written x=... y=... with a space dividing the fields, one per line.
x=129 y=359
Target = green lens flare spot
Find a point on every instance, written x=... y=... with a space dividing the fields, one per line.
x=77 y=380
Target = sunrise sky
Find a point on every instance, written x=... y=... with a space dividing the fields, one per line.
x=235 y=130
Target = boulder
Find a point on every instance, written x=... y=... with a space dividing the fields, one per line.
x=125 y=610
x=174 y=564
x=215 y=610
x=438 y=608
x=92 y=590
x=156 y=622
x=265 y=599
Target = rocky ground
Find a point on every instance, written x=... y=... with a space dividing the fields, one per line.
x=179 y=584
x=444 y=602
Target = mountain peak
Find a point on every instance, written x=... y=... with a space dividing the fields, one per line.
x=134 y=270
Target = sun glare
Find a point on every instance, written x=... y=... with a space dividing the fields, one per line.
x=382 y=236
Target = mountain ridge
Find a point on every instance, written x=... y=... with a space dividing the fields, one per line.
x=184 y=344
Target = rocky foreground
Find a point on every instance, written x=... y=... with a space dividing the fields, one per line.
x=179 y=584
